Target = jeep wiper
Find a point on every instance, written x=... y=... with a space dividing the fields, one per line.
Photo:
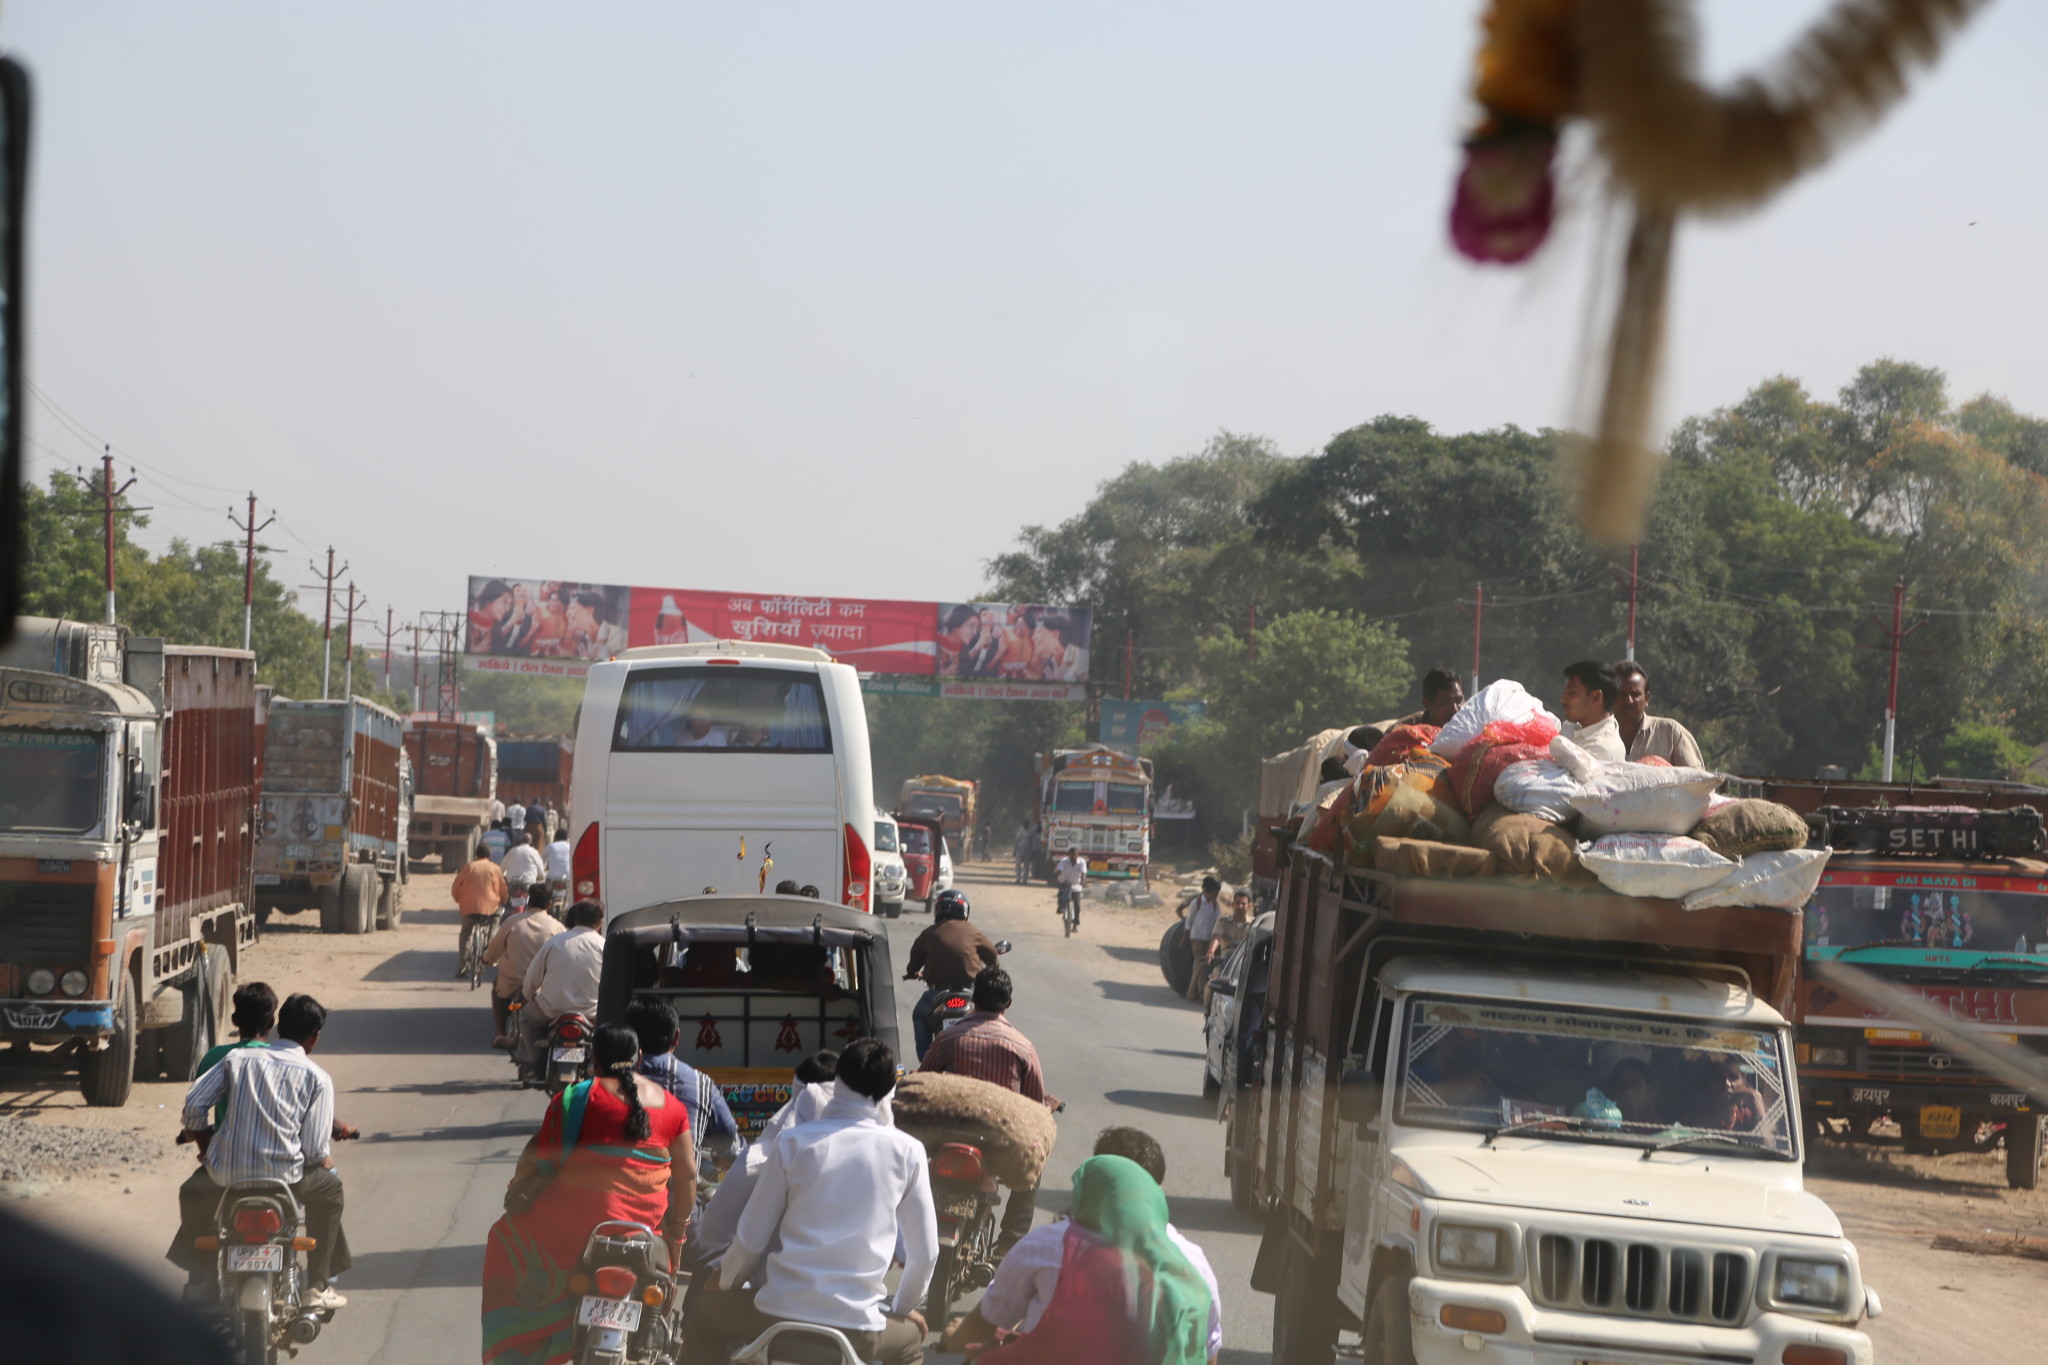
x=1529 y=1121
x=1688 y=1139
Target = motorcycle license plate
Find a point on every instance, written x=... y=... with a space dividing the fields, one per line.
x=569 y=1054
x=1940 y=1121
x=269 y=1257
x=598 y=1311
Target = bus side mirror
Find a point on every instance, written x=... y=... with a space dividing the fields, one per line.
x=14 y=128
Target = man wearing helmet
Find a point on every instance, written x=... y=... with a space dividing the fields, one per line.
x=947 y=955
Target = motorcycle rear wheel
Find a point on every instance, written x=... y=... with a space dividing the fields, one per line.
x=938 y=1300
x=256 y=1346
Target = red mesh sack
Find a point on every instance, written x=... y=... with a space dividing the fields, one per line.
x=1400 y=741
x=1477 y=766
x=1327 y=837
x=1655 y=761
x=1538 y=730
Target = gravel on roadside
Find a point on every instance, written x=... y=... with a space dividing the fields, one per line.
x=42 y=1153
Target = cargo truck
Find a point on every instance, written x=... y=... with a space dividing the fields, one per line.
x=1097 y=802
x=336 y=799
x=530 y=768
x=949 y=800
x=455 y=787
x=1507 y=1123
x=1940 y=889
x=128 y=773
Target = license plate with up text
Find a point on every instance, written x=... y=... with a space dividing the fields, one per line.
x=598 y=1311
x=267 y=1257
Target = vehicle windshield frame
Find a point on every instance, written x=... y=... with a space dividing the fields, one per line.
x=92 y=742
x=1429 y=1019
x=886 y=830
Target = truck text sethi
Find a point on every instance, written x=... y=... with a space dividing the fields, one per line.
x=128 y=788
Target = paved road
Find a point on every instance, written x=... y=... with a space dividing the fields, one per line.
x=442 y=1124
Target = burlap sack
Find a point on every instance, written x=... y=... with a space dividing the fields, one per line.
x=1015 y=1135
x=1741 y=828
x=1530 y=848
x=1427 y=858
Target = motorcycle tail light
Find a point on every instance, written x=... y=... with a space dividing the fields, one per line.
x=957 y=1161
x=570 y=1032
x=955 y=1002
x=858 y=865
x=583 y=864
x=615 y=1281
x=258 y=1221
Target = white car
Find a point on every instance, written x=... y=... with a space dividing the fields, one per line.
x=892 y=878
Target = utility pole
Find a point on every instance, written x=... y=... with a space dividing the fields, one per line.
x=415 y=665
x=387 y=647
x=249 y=528
x=326 y=585
x=109 y=493
x=1634 y=582
x=1478 y=615
x=1129 y=649
x=1895 y=637
x=348 y=643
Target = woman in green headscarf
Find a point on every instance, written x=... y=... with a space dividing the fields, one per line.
x=1126 y=1295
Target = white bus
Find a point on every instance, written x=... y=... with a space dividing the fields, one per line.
x=695 y=763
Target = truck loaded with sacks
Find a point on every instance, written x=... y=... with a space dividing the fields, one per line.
x=128 y=789
x=1526 y=1086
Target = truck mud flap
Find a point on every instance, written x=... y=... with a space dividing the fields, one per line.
x=1267 y=1270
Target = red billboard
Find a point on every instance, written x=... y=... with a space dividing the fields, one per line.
x=875 y=635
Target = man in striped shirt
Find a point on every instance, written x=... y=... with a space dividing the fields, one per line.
x=279 y=1126
x=987 y=1047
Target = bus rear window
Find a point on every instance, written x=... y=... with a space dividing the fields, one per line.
x=762 y=710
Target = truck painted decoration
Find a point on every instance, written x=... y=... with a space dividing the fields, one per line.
x=949 y=800
x=1099 y=802
x=336 y=813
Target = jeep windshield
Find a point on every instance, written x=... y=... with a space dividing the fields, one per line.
x=1584 y=1075
x=49 y=781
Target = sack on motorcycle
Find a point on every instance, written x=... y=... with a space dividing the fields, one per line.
x=1015 y=1134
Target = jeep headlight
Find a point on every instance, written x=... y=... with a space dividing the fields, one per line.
x=1473 y=1250
x=1810 y=1284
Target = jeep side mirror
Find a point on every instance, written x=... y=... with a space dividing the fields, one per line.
x=1358 y=1100
x=1222 y=987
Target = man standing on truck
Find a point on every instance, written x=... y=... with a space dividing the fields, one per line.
x=1649 y=736
x=1442 y=695
x=479 y=891
x=1587 y=705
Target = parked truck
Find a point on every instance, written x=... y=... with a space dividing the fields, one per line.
x=1940 y=889
x=455 y=787
x=530 y=768
x=336 y=810
x=951 y=801
x=1507 y=1123
x=128 y=773
x=1097 y=801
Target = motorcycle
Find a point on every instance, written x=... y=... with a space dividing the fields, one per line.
x=262 y=1270
x=631 y=1311
x=566 y=1058
x=798 y=1343
x=954 y=1005
x=964 y=1194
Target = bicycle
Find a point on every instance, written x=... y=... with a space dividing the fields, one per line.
x=479 y=939
x=1070 y=908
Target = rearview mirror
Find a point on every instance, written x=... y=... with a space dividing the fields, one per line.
x=14 y=129
x=1002 y=945
x=1220 y=986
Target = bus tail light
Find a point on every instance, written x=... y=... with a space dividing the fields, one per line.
x=583 y=879
x=857 y=869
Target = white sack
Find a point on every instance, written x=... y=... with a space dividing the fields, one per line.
x=1780 y=881
x=1536 y=786
x=1574 y=760
x=1504 y=699
x=1667 y=866
x=1642 y=798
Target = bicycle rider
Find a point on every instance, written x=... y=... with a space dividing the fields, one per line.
x=479 y=891
x=1072 y=872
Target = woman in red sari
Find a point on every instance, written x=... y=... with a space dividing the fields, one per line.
x=615 y=1147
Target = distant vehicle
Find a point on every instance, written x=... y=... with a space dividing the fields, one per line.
x=1236 y=1007
x=335 y=814
x=455 y=781
x=695 y=763
x=1097 y=801
x=925 y=860
x=951 y=800
x=128 y=773
x=892 y=878
x=529 y=768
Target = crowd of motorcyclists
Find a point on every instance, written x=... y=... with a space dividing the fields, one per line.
x=801 y=1227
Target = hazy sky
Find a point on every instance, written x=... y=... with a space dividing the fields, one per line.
x=833 y=298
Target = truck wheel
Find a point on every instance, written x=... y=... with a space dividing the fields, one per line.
x=106 y=1077
x=390 y=914
x=328 y=899
x=2023 y=1151
x=358 y=899
x=1177 y=957
x=1388 y=1339
x=1305 y=1311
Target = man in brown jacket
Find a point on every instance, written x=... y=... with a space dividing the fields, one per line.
x=479 y=890
x=948 y=955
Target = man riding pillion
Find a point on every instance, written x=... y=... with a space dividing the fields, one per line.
x=512 y=950
x=479 y=891
x=279 y=1126
x=1072 y=872
x=562 y=978
x=523 y=866
x=947 y=955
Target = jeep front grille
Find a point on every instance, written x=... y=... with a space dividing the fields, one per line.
x=1640 y=1279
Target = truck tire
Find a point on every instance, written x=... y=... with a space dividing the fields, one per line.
x=1305 y=1309
x=358 y=899
x=1388 y=1332
x=328 y=898
x=106 y=1077
x=390 y=914
x=1177 y=957
x=2023 y=1151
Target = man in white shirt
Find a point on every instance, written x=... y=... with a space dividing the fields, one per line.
x=1587 y=705
x=559 y=856
x=1027 y=1276
x=279 y=1126
x=837 y=1193
x=1202 y=911
x=562 y=978
x=515 y=816
x=523 y=865
x=1072 y=872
